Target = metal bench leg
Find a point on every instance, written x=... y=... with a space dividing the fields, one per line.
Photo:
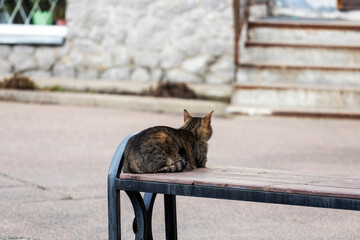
x=170 y=217
x=114 y=215
x=149 y=200
x=143 y=214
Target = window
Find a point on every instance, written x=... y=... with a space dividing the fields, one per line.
x=32 y=21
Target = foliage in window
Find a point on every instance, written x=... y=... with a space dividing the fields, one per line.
x=40 y=12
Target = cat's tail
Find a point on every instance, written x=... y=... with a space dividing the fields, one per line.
x=177 y=166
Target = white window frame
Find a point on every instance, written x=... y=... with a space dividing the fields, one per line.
x=32 y=34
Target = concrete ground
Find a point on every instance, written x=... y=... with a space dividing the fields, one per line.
x=54 y=161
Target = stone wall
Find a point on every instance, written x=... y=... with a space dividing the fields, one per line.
x=137 y=40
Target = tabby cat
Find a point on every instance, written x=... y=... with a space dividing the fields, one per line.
x=165 y=149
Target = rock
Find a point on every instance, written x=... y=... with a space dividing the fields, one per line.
x=177 y=75
x=100 y=62
x=45 y=57
x=4 y=50
x=22 y=62
x=86 y=46
x=149 y=25
x=158 y=41
x=76 y=30
x=214 y=4
x=138 y=6
x=156 y=75
x=213 y=79
x=37 y=73
x=136 y=40
x=117 y=31
x=189 y=46
x=76 y=59
x=196 y=14
x=185 y=5
x=117 y=74
x=98 y=17
x=62 y=51
x=196 y=65
x=164 y=10
x=96 y=34
x=182 y=28
x=88 y=74
x=140 y=75
x=213 y=47
x=110 y=3
x=24 y=50
x=214 y=28
x=108 y=44
x=123 y=17
x=121 y=56
x=224 y=68
x=170 y=58
x=146 y=59
x=64 y=70
x=5 y=66
x=77 y=11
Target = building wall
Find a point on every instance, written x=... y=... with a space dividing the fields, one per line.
x=137 y=40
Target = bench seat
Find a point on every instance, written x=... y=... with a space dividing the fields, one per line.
x=259 y=179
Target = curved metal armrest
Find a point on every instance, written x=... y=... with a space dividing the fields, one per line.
x=113 y=195
x=116 y=163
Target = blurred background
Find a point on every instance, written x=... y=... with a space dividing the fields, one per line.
x=277 y=54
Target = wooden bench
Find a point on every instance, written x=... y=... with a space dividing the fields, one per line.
x=268 y=186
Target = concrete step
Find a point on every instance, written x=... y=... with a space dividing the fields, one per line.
x=220 y=92
x=329 y=32
x=300 y=54
x=155 y=104
x=295 y=112
x=295 y=96
x=259 y=72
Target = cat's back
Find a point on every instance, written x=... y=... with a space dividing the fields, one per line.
x=158 y=134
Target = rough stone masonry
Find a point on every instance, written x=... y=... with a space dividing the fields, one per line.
x=137 y=40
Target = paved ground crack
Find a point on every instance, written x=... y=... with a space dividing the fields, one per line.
x=2 y=237
x=23 y=181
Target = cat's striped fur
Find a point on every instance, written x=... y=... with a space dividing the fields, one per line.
x=165 y=149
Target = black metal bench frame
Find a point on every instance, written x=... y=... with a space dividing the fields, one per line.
x=143 y=206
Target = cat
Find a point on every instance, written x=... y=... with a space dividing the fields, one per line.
x=166 y=149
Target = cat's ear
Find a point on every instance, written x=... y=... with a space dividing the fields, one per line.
x=186 y=115
x=207 y=119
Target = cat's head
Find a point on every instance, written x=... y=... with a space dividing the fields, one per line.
x=200 y=127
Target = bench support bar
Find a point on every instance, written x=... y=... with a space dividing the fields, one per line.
x=170 y=216
x=243 y=194
x=143 y=214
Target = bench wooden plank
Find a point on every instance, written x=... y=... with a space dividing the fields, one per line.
x=259 y=179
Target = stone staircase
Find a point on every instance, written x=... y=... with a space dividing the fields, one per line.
x=309 y=65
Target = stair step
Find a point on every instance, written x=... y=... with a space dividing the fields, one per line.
x=262 y=65
x=304 y=32
x=308 y=24
x=252 y=43
x=320 y=58
x=283 y=96
x=289 y=86
x=298 y=74
x=296 y=112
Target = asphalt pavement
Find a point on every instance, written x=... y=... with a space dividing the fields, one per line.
x=54 y=161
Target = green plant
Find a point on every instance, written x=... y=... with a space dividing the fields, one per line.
x=57 y=88
x=173 y=89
